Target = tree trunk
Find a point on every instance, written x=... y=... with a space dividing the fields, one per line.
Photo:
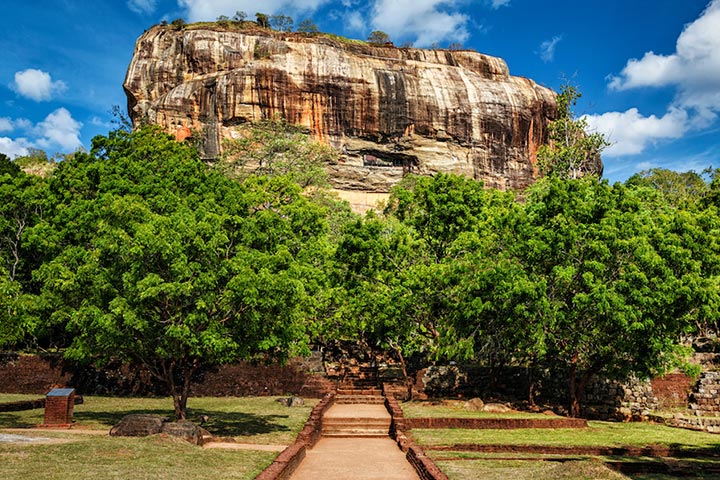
x=531 y=387
x=577 y=389
x=574 y=407
x=179 y=392
x=403 y=366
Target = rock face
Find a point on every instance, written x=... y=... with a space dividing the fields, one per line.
x=389 y=111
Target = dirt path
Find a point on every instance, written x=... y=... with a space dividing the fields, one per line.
x=347 y=452
x=355 y=458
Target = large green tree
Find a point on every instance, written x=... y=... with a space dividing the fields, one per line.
x=622 y=285
x=164 y=263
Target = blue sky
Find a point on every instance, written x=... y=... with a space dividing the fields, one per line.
x=649 y=71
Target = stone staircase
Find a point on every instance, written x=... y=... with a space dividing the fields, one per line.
x=350 y=425
x=359 y=409
x=360 y=386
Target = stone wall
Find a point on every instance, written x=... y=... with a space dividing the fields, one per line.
x=704 y=400
x=610 y=399
x=37 y=374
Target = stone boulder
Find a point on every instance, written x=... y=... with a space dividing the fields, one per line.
x=143 y=425
x=138 y=425
x=291 y=401
x=186 y=430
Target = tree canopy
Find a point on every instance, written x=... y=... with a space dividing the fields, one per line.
x=138 y=250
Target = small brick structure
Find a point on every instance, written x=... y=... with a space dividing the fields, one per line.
x=59 y=404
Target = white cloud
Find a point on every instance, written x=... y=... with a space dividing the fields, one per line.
x=37 y=85
x=630 y=132
x=499 y=3
x=198 y=10
x=354 y=21
x=14 y=147
x=694 y=68
x=547 y=48
x=59 y=129
x=426 y=21
x=6 y=124
x=142 y=6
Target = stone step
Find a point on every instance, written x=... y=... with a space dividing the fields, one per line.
x=336 y=422
x=356 y=434
x=370 y=392
x=359 y=399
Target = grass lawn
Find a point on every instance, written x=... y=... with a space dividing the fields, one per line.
x=598 y=434
x=426 y=410
x=472 y=465
x=91 y=457
x=256 y=420
x=247 y=419
x=522 y=470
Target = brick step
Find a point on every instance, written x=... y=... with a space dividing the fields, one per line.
x=358 y=434
x=364 y=422
x=359 y=400
x=373 y=392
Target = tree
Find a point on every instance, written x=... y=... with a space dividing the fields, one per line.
x=682 y=189
x=378 y=37
x=389 y=296
x=262 y=20
x=239 y=16
x=307 y=26
x=620 y=288
x=179 y=23
x=571 y=151
x=7 y=166
x=181 y=269
x=282 y=23
x=275 y=147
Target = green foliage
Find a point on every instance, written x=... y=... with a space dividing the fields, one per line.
x=179 y=24
x=571 y=150
x=378 y=37
x=162 y=262
x=307 y=26
x=7 y=166
x=239 y=16
x=275 y=147
x=682 y=189
x=282 y=23
x=262 y=20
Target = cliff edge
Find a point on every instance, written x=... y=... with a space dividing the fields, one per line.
x=387 y=110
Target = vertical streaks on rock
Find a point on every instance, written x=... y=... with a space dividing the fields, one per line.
x=387 y=110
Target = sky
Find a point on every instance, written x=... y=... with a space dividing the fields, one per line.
x=649 y=72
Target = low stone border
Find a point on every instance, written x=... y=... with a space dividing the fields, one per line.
x=700 y=424
x=498 y=423
x=30 y=404
x=285 y=464
x=647 y=451
x=423 y=465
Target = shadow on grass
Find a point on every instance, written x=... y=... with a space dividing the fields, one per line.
x=20 y=419
x=220 y=423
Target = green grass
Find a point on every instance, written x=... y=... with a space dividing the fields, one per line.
x=259 y=420
x=122 y=458
x=17 y=397
x=427 y=410
x=256 y=420
x=598 y=434
x=520 y=470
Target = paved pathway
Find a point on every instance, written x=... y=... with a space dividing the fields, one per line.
x=355 y=458
x=340 y=458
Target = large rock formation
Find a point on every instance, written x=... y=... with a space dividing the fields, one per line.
x=387 y=110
